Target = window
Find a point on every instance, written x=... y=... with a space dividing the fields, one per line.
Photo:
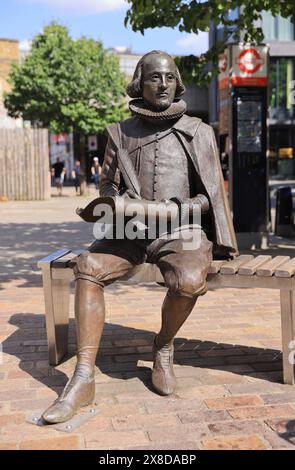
x=277 y=28
x=281 y=74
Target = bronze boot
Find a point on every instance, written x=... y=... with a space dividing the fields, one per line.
x=80 y=389
x=163 y=378
x=175 y=310
x=78 y=392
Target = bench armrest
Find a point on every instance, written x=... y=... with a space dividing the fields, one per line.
x=52 y=257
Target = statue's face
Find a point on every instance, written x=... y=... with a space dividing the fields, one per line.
x=159 y=81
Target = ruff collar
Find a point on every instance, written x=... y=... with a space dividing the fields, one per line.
x=176 y=110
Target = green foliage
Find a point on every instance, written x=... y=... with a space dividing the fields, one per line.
x=67 y=84
x=196 y=69
x=191 y=16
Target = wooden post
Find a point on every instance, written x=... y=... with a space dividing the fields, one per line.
x=24 y=164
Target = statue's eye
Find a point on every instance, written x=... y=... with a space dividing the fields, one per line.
x=155 y=76
x=170 y=77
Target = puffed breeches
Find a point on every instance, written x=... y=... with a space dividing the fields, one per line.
x=184 y=268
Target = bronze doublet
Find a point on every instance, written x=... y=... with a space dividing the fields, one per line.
x=163 y=168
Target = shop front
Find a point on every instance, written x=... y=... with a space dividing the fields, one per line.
x=281 y=119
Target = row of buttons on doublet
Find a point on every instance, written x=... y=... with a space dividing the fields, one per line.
x=156 y=163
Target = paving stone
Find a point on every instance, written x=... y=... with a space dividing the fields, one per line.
x=115 y=439
x=281 y=425
x=204 y=416
x=169 y=405
x=236 y=427
x=251 y=442
x=177 y=445
x=230 y=402
x=180 y=432
x=52 y=443
x=284 y=411
x=271 y=398
x=144 y=421
x=8 y=445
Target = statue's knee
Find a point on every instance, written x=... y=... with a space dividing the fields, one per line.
x=89 y=266
x=187 y=284
x=192 y=286
x=83 y=264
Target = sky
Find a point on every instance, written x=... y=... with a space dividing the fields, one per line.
x=100 y=19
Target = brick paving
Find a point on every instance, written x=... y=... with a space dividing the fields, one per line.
x=227 y=361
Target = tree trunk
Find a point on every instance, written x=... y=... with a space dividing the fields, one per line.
x=81 y=155
x=82 y=151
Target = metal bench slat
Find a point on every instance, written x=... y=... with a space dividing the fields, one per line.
x=250 y=268
x=269 y=268
x=216 y=265
x=231 y=267
x=287 y=269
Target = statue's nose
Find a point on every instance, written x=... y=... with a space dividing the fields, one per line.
x=163 y=84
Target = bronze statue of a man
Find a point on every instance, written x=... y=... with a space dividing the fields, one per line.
x=175 y=158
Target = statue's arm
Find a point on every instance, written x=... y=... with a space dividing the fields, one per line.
x=199 y=199
x=110 y=173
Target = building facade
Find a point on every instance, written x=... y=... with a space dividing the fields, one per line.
x=9 y=54
x=280 y=36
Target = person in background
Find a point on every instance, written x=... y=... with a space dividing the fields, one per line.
x=96 y=171
x=58 y=171
x=76 y=175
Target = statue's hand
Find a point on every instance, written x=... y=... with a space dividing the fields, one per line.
x=202 y=200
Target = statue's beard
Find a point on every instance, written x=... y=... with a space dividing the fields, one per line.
x=157 y=105
x=141 y=108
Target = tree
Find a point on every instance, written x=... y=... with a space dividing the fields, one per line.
x=67 y=85
x=192 y=16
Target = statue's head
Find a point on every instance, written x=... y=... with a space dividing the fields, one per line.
x=157 y=80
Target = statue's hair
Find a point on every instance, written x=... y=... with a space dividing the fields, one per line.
x=134 y=89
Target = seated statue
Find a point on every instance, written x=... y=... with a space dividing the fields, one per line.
x=168 y=156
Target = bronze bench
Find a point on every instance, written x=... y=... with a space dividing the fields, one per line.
x=245 y=271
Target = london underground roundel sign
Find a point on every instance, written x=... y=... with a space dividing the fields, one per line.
x=249 y=65
x=250 y=61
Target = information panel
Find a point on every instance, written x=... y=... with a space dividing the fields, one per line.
x=248 y=166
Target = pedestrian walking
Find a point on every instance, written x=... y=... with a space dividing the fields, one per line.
x=58 y=171
x=76 y=175
x=96 y=171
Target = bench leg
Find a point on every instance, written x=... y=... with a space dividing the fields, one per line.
x=288 y=333
x=56 y=296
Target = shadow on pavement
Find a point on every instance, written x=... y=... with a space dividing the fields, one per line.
x=118 y=355
x=22 y=245
x=289 y=434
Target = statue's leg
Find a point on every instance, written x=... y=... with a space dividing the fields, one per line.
x=175 y=310
x=90 y=317
x=185 y=273
x=93 y=271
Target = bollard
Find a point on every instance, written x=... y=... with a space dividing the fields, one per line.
x=284 y=213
